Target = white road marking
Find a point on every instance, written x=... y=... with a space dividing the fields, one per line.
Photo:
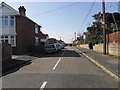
x=56 y=63
x=43 y=85
x=62 y=54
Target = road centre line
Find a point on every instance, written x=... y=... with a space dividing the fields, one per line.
x=56 y=64
x=62 y=54
x=43 y=85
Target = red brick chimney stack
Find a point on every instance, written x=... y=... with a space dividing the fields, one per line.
x=22 y=10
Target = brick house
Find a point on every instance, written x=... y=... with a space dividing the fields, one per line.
x=20 y=31
x=52 y=41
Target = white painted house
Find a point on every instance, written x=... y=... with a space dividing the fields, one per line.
x=21 y=32
x=7 y=24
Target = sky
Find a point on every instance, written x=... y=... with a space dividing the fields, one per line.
x=63 y=19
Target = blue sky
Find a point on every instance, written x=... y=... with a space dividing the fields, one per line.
x=63 y=22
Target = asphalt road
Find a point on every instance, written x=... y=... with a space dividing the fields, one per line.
x=65 y=69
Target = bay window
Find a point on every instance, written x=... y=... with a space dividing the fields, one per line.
x=9 y=39
x=12 y=21
x=7 y=21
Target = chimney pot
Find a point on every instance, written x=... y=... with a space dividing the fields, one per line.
x=22 y=10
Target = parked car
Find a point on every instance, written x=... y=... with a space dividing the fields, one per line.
x=50 y=48
x=59 y=46
x=63 y=46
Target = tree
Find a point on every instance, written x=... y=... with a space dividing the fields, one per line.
x=96 y=31
x=79 y=34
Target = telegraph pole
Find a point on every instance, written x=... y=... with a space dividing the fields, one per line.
x=75 y=35
x=104 y=27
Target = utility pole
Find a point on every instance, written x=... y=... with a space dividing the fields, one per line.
x=104 y=27
x=75 y=35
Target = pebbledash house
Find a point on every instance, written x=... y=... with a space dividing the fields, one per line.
x=21 y=32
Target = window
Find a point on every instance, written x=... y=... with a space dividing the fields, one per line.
x=11 y=21
x=4 y=21
x=50 y=46
x=10 y=39
x=6 y=40
x=2 y=37
x=36 y=41
x=7 y=21
x=36 y=29
x=12 y=36
x=13 y=41
x=6 y=36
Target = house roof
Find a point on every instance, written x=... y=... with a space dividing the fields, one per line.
x=16 y=12
x=29 y=19
x=12 y=9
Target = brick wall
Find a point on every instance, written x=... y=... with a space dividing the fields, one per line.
x=113 y=44
x=98 y=47
x=5 y=52
x=112 y=48
x=113 y=37
x=25 y=39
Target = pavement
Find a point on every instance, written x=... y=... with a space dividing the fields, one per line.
x=107 y=63
x=17 y=61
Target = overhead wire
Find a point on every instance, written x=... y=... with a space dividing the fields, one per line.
x=87 y=14
x=54 y=10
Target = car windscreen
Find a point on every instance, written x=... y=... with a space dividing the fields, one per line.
x=50 y=46
x=57 y=45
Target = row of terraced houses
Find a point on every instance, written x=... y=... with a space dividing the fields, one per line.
x=21 y=32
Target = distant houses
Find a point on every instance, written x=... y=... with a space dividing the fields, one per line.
x=53 y=40
x=21 y=32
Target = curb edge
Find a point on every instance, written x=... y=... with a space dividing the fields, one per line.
x=103 y=68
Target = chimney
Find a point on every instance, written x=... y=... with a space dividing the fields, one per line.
x=22 y=10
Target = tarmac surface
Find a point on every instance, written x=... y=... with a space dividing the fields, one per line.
x=65 y=69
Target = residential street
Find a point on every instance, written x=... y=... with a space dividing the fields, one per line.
x=65 y=69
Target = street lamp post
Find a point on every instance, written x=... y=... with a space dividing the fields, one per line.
x=104 y=30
